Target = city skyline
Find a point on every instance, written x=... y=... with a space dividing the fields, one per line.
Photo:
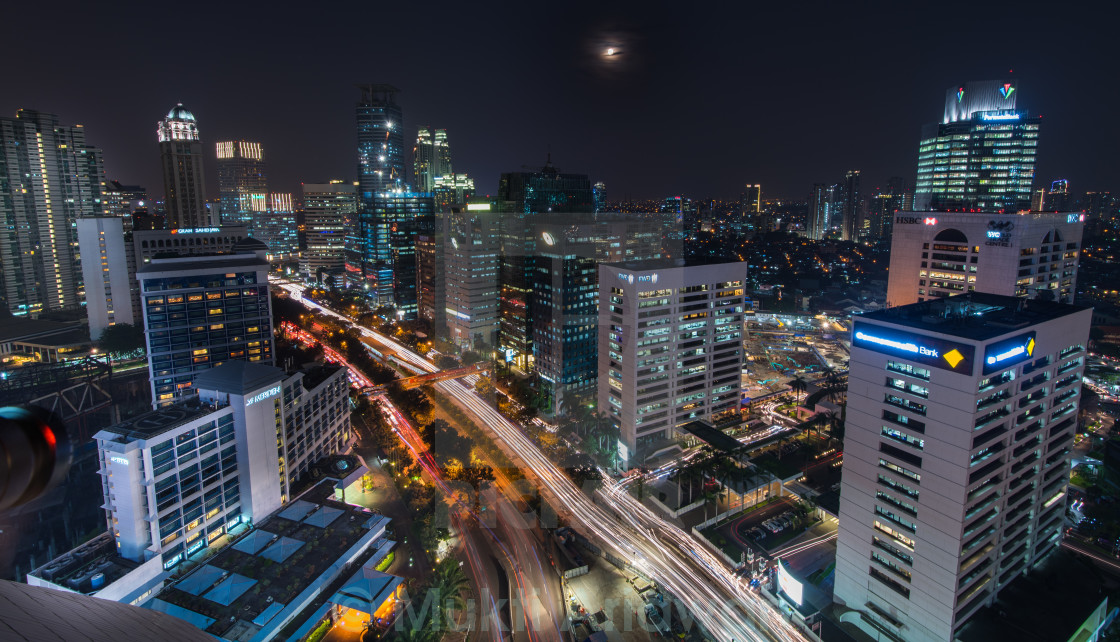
x=800 y=122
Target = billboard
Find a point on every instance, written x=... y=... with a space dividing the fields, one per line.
x=788 y=585
x=929 y=351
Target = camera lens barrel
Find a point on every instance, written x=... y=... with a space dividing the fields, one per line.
x=35 y=454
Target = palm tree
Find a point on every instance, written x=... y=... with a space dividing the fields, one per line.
x=449 y=582
x=799 y=385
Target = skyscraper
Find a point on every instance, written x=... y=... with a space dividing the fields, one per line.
x=599 y=196
x=276 y=227
x=1026 y=255
x=242 y=183
x=328 y=211
x=385 y=259
x=750 y=210
x=471 y=240
x=654 y=315
x=816 y=224
x=851 y=207
x=883 y=204
x=431 y=158
x=524 y=194
x=961 y=417
x=380 y=141
x=452 y=191
x=201 y=311
x=184 y=185
x=49 y=178
x=981 y=157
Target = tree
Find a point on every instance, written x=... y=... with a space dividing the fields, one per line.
x=484 y=387
x=121 y=339
x=799 y=386
x=449 y=582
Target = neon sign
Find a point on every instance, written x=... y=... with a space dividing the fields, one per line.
x=196 y=230
x=1006 y=90
x=960 y=94
x=997 y=117
x=118 y=460
x=1075 y=218
x=938 y=353
x=261 y=396
x=1009 y=352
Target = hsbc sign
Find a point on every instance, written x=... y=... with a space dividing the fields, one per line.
x=915 y=220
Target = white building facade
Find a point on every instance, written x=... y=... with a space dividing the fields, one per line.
x=670 y=348
x=940 y=254
x=960 y=420
x=109 y=290
x=471 y=245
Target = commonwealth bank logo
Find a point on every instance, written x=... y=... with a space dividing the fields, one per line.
x=954 y=357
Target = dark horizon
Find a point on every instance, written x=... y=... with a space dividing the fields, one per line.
x=694 y=105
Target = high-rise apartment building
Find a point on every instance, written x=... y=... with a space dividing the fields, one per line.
x=882 y=206
x=939 y=254
x=599 y=196
x=670 y=348
x=124 y=201
x=750 y=210
x=242 y=183
x=431 y=286
x=204 y=310
x=961 y=416
x=184 y=184
x=981 y=157
x=431 y=158
x=329 y=209
x=110 y=284
x=49 y=178
x=851 y=206
x=384 y=256
x=471 y=240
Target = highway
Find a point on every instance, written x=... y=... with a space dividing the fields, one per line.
x=678 y=562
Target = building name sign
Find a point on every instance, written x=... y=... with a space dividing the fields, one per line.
x=118 y=460
x=996 y=117
x=641 y=278
x=938 y=353
x=1009 y=352
x=999 y=233
x=1075 y=218
x=196 y=230
x=261 y=396
x=915 y=220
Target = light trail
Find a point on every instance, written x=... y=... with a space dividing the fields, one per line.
x=713 y=595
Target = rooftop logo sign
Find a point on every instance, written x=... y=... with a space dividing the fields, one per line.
x=1006 y=90
x=261 y=396
x=937 y=353
x=1009 y=352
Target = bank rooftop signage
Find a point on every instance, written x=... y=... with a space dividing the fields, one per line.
x=938 y=353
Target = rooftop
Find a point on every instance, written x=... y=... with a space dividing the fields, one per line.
x=203 y=262
x=74 y=569
x=156 y=422
x=238 y=377
x=977 y=316
x=235 y=593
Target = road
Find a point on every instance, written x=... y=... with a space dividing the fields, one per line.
x=704 y=584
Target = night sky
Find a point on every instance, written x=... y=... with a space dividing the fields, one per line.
x=696 y=100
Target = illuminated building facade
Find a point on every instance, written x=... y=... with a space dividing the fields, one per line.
x=431 y=158
x=817 y=219
x=670 y=348
x=202 y=311
x=981 y=157
x=385 y=260
x=276 y=227
x=961 y=416
x=178 y=478
x=329 y=211
x=184 y=185
x=242 y=183
x=851 y=206
x=471 y=243
x=452 y=191
x=49 y=178
x=523 y=195
x=939 y=254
